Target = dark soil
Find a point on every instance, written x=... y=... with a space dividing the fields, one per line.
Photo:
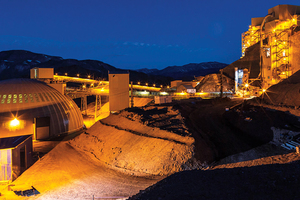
x=275 y=181
x=221 y=127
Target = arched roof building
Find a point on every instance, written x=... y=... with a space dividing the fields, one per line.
x=32 y=107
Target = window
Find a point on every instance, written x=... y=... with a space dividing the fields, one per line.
x=20 y=98
x=31 y=98
x=9 y=98
x=15 y=98
x=25 y=98
x=268 y=52
x=3 y=98
x=35 y=73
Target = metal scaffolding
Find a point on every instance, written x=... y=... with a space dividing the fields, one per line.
x=250 y=37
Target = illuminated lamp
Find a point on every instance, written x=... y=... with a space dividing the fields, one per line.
x=66 y=74
x=264 y=90
x=146 y=83
x=89 y=76
x=139 y=83
x=161 y=85
x=168 y=86
x=246 y=85
x=15 y=122
x=14 y=125
x=153 y=85
x=77 y=75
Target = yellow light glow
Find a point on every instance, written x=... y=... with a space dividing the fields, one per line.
x=246 y=85
x=264 y=90
x=78 y=75
x=161 y=85
x=14 y=122
x=139 y=83
x=164 y=93
x=146 y=83
x=153 y=85
x=66 y=74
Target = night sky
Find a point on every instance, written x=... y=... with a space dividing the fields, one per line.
x=131 y=34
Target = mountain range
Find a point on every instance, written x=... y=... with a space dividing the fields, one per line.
x=17 y=64
x=186 y=72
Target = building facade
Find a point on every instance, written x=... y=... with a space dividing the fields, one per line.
x=275 y=33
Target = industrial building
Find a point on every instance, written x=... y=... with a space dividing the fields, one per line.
x=15 y=156
x=277 y=35
x=31 y=110
x=31 y=107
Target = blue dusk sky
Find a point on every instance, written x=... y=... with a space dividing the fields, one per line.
x=131 y=34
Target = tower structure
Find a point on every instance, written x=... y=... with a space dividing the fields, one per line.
x=274 y=32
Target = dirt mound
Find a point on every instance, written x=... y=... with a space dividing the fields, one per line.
x=163 y=117
x=66 y=173
x=139 y=101
x=135 y=148
x=285 y=93
x=211 y=83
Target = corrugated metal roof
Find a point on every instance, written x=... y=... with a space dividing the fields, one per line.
x=28 y=99
x=12 y=142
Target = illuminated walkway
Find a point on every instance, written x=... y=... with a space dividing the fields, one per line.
x=98 y=87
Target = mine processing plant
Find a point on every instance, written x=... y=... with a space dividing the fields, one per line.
x=276 y=33
x=85 y=86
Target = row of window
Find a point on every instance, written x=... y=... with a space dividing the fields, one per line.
x=25 y=98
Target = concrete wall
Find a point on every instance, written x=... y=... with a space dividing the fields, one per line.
x=118 y=91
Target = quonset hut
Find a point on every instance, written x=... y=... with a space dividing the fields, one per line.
x=31 y=107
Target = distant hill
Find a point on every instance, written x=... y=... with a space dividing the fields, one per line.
x=147 y=71
x=187 y=72
x=17 y=64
